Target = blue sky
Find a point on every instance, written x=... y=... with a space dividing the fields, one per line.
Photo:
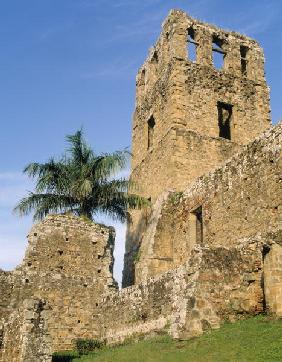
x=68 y=63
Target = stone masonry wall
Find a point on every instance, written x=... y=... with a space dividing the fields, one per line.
x=176 y=135
x=237 y=199
x=273 y=278
x=26 y=337
x=5 y=292
x=181 y=92
x=170 y=168
x=200 y=257
x=217 y=284
x=68 y=263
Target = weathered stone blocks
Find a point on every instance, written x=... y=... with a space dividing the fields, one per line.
x=69 y=264
x=237 y=200
x=201 y=114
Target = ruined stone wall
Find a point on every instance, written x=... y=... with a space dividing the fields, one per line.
x=26 y=337
x=210 y=254
x=172 y=169
x=217 y=284
x=273 y=277
x=176 y=135
x=5 y=293
x=68 y=263
x=187 y=96
x=238 y=199
x=178 y=160
x=178 y=91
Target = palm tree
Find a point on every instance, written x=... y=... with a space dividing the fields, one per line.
x=82 y=183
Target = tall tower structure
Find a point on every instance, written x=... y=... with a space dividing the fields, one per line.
x=200 y=95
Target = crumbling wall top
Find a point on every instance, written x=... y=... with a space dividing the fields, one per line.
x=243 y=57
x=176 y=15
x=71 y=246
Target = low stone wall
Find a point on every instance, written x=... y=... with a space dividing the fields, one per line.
x=217 y=284
x=273 y=277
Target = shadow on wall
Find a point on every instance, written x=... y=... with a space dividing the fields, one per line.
x=64 y=356
x=134 y=235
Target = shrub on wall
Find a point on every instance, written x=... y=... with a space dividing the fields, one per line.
x=85 y=346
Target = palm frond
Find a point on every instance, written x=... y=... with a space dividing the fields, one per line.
x=115 y=212
x=79 y=150
x=33 y=169
x=82 y=188
x=44 y=204
x=107 y=165
x=81 y=182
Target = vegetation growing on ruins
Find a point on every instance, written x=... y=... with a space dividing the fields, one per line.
x=81 y=182
x=175 y=197
x=256 y=339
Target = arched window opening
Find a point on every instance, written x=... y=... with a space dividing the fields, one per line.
x=244 y=59
x=155 y=58
x=192 y=45
x=151 y=126
x=142 y=78
x=224 y=119
x=196 y=226
x=218 y=54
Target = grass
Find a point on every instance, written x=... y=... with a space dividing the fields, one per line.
x=257 y=339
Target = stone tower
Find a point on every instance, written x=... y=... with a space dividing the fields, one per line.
x=200 y=95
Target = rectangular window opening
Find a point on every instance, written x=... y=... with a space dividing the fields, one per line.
x=142 y=78
x=224 y=119
x=244 y=59
x=218 y=54
x=151 y=126
x=155 y=58
x=197 y=225
x=192 y=45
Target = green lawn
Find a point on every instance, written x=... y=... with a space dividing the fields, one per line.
x=255 y=339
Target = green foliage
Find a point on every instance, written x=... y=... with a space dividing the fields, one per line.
x=175 y=197
x=257 y=339
x=85 y=346
x=137 y=255
x=82 y=183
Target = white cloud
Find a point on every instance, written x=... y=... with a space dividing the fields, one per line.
x=13 y=230
x=146 y=25
x=118 y=3
x=119 y=250
x=13 y=186
x=13 y=241
x=11 y=176
x=12 y=250
x=253 y=26
x=116 y=68
x=123 y=174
